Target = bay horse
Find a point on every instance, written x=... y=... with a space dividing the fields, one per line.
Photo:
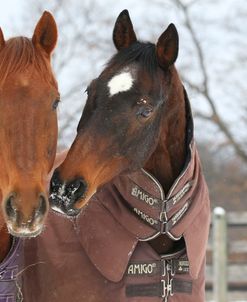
x=134 y=117
x=135 y=171
x=28 y=130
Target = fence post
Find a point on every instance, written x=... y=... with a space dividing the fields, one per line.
x=219 y=255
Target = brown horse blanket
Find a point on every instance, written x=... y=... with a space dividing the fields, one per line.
x=103 y=255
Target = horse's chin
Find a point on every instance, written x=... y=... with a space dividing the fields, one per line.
x=66 y=212
x=24 y=232
x=86 y=198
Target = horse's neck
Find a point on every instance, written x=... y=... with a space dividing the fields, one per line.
x=168 y=159
x=5 y=242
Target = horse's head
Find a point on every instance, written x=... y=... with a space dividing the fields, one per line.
x=120 y=125
x=28 y=126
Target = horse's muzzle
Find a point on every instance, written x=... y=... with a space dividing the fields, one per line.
x=64 y=196
x=20 y=221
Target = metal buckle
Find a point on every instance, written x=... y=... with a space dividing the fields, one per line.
x=171 y=267
x=167 y=288
x=163 y=215
x=163 y=229
x=171 y=287
x=164 y=268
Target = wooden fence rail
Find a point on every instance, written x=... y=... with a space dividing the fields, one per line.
x=219 y=255
x=227 y=257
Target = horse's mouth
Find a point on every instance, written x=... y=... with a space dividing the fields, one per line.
x=59 y=205
x=69 y=202
x=24 y=232
x=67 y=212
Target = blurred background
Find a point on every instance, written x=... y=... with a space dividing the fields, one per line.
x=212 y=63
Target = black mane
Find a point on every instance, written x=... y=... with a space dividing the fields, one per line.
x=143 y=53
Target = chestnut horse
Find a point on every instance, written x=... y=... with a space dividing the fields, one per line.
x=28 y=130
x=134 y=117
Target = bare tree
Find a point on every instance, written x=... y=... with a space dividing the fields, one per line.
x=204 y=90
x=85 y=29
x=75 y=57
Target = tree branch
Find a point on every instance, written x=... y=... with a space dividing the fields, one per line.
x=215 y=118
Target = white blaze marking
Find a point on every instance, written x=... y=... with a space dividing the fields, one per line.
x=120 y=82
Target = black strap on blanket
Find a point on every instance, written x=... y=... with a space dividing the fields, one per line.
x=162 y=267
x=160 y=289
x=163 y=226
x=161 y=223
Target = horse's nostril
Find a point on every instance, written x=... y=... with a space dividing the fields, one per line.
x=77 y=189
x=55 y=182
x=10 y=206
x=42 y=208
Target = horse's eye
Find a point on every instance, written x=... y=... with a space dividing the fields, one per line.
x=55 y=104
x=145 y=111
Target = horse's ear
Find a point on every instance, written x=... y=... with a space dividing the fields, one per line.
x=123 y=32
x=2 y=41
x=167 y=47
x=45 y=33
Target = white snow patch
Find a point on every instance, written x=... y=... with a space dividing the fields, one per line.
x=57 y=209
x=61 y=190
x=120 y=82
